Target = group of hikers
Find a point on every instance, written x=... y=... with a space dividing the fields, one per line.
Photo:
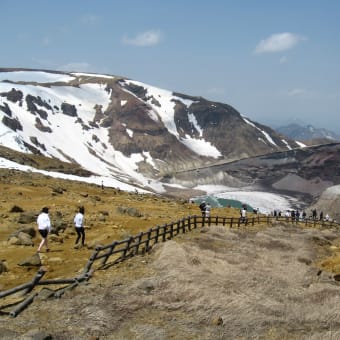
x=205 y=210
x=294 y=215
x=45 y=227
x=297 y=215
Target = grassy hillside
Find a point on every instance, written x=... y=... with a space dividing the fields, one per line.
x=110 y=214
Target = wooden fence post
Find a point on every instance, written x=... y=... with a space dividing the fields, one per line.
x=231 y=222
x=91 y=260
x=128 y=242
x=164 y=232
x=189 y=223
x=139 y=240
x=183 y=226
x=147 y=244
x=157 y=234
x=109 y=252
x=171 y=231
x=195 y=222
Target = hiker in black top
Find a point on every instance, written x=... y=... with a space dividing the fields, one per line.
x=202 y=207
x=314 y=214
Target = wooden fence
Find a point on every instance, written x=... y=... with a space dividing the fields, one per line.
x=118 y=251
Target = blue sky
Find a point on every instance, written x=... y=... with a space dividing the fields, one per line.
x=273 y=61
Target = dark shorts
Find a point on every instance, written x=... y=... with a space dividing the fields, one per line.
x=43 y=233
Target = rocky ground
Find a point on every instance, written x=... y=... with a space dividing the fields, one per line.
x=109 y=215
x=216 y=283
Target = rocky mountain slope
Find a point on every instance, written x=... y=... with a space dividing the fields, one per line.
x=329 y=202
x=303 y=173
x=308 y=133
x=116 y=127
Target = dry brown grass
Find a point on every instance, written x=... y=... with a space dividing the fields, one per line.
x=216 y=283
x=105 y=221
x=184 y=289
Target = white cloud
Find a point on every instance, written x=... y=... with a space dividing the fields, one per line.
x=89 y=19
x=148 y=38
x=278 y=42
x=296 y=92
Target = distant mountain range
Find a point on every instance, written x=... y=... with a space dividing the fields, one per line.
x=117 y=127
x=308 y=133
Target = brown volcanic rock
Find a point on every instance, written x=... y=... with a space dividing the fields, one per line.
x=329 y=203
x=137 y=121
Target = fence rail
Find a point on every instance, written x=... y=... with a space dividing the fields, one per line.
x=118 y=251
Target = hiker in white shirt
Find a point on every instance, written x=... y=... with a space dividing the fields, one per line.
x=79 y=225
x=243 y=215
x=44 y=227
x=207 y=210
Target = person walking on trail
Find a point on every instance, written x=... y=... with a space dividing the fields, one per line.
x=243 y=215
x=321 y=216
x=207 y=210
x=44 y=228
x=79 y=225
x=202 y=207
x=314 y=214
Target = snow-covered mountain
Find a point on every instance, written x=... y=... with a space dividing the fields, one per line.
x=121 y=128
x=307 y=133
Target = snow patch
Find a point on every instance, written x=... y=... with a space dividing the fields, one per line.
x=92 y=75
x=201 y=147
x=300 y=144
x=266 y=202
x=35 y=76
x=285 y=142
x=192 y=119
x=269 y=139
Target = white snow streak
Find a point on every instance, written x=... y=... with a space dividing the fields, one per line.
x=269 y=139
x=166 y=112
x=35 y=76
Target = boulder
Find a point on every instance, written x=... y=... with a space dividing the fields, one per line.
x=16 y=209
x=33 y=260
x=27 y=217
x=56 y=238
x=59 y=226
x=3 y=267
x=13 y=241
x=28 y=230
x=25 y=239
